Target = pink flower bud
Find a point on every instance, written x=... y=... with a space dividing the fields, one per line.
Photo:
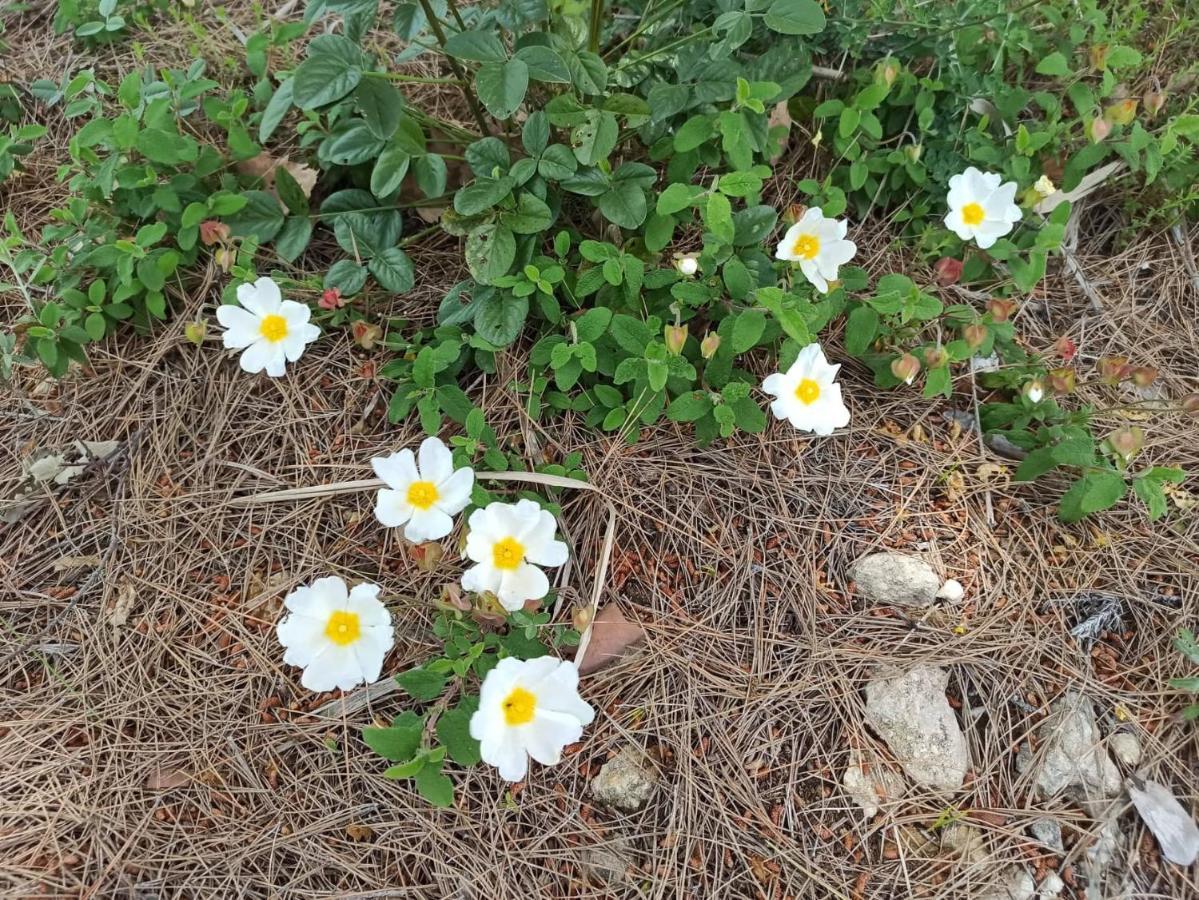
x=675 y=337
x=905 y=368
x=709 y=345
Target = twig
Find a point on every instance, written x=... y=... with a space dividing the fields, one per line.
x=459 y=72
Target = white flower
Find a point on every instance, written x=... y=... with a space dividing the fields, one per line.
x=528 y=708
x=818 y=244
x=980 y=208
x=272 y=330
x=687 y=265
x=1045 y=186
x=806 y=394
x=338 y=637
x=508 y=541
x=425 y=496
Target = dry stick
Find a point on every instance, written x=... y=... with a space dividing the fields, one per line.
x=439 y=33
x=360 y=698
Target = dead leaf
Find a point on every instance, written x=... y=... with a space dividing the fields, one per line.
x=166 y=779
x=1169 y=821
x=74 y=562
x=126 y=594
x=1090 y=182
x=359 y=832
x=264 y=165
x=611 y=635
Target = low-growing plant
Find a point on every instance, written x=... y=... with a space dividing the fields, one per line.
x=1186 y=645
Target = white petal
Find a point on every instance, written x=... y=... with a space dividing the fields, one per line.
x=293 y=346
x=256 y=357
x=454 y=492
x=988 y=233
x=812 y=273
x=783 y=250
x=369 y=651
x=337 y=667
x=392 y=508
x=364 y=600
x=840 y=252
x=560 y=692
x=310 y=333
x=428 y=525
x=397 y=469
x=276 y=365
x=481 y=577
x=436 y=461
x=773 y=384
x=295 y=314
x=262 y=297
x=548 y=733
x=302 y=638
x=332 y=590
x=540 y=546
x=508 y=755
x=242 y=328
x=525 y=582
x=526 y=517
x=955 y=223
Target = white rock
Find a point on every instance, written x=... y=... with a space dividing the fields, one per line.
x=1072 y=758
x=1127 y=747
x=895 y=579
x=1169 y=821
x=951 y=591
x=870 y=783
x=1051 y=885
x=626 y=781
x=909 y=711
x=1011 y=883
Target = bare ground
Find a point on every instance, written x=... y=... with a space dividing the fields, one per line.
x=174 y=755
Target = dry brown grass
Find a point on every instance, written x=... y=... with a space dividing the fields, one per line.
x=175 y=756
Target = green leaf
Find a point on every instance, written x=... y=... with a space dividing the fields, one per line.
x=689 y=407
x=430 y=174
x=481 y=194
x=393 y=270
x=499 y=318
x=1036 y=464
x=693 y=133
x=592 y=324
x=718 y=217
x=1152 y=496
x=422 y=684
x=453 y=730
x=1053 y=64
x=347 y=276
x=748 y=416
x=502 y=85
x=676 y=197
x=544 y=64
x=293 y=238
x=595 y=138
x=490 y=250
x=557 y=163
x=281 y=101
x=381 y=106
x=389 y=171
x=289 y=192
x=795 y=17
x=477 y=46
x=399 y=741
x=530 y=216
x=1091 y=493
x=747 y=330
x=860 y=330
x=624 y=205
x=333 y=69
x=360 y=226
x=535 y=135
x=435 y=787
x=261 y=217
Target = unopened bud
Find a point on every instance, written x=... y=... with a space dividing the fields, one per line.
x=1154 y=101
x=935 y=357
x=581 y=618
x=1121 y=113
x=905 y=368
x=1062 y=381
x=1099 y=129
x=687 y=265
x=1126 y=441
x=1034 y=391
x=947 y=271
x=1113 y=369
x=330 y=299
x=195 y=331
x=224 y=258
x=365 y=334
x=793 y=213
x=426 y=556
x=1065 y=348
x=975 y=335
x=675 y=337
x=914 y=152
x=213 y=232
x=709 y=345
x=1001 y=310
x=1143 y=376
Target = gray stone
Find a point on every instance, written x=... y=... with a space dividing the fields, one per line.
x=1051 y=886
x=895 y=579
x=909 y=711
x=1071 y=758
x=1011 y=883
x=1048 y=832
x=965 y=841
x=607 y=862
x=626 y=781
x=870 y=783
x=1127 y=747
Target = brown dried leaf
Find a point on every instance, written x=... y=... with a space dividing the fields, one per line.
x=611 y=635
x=126 y=594
x=74 y=562
x=359 y=832
x=166 y=779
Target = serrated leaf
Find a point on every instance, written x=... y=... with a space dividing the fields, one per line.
x=453 y=730
x=422 y=684
x=400 y=740
x=393 y=270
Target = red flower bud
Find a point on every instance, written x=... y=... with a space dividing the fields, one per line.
x=1065 y=348
x=675 y=337
x=947 y=271
x=905 y=368
x=330 y=299
x=213 y=232
x=1143 y=376
x=1062 y=381
x=1001 y=310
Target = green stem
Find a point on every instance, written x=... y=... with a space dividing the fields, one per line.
x=414 y=79
x=457 y=17
x=439 y=33
x=597 y=18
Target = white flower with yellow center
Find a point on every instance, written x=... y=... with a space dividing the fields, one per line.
x=818 y=244
x=272 y=331
x=339 y=637
x=980 y=208
x=423 y=497
x=530 y=708
x=806 y=394
x=508 y=541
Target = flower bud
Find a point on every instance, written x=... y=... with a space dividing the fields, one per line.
x=580 y=618
x=1098 y=130
x=1034 y=390
x=1121 y=112
x=886 y=72
x=1062 y=381
x=330 y=299
x=935 y=357
x=426 y=556
x=213 y=232
x=709 y=345
x=675 y=337
x=905 y=368
x=1001 y=310
x=365 y=334
x=1065 y=348
x=1113 y=369
x=687 y=265
x=817 y=137
x=225 y=258
x=1190 y=404
x=1143 y=376
x=1154 y=101
x=1126 y=442
x=975 y=335
x=195 y=331
x=793 y=213
x=914 y=152
x=947 y=271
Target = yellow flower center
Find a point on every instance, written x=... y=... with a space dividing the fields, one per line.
x=807 y=392
x=422 y=494
x=519 y=707
x=972 y=214
x=508 y=553
x=343 y=627
x=806 y=246
x=273 y=328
